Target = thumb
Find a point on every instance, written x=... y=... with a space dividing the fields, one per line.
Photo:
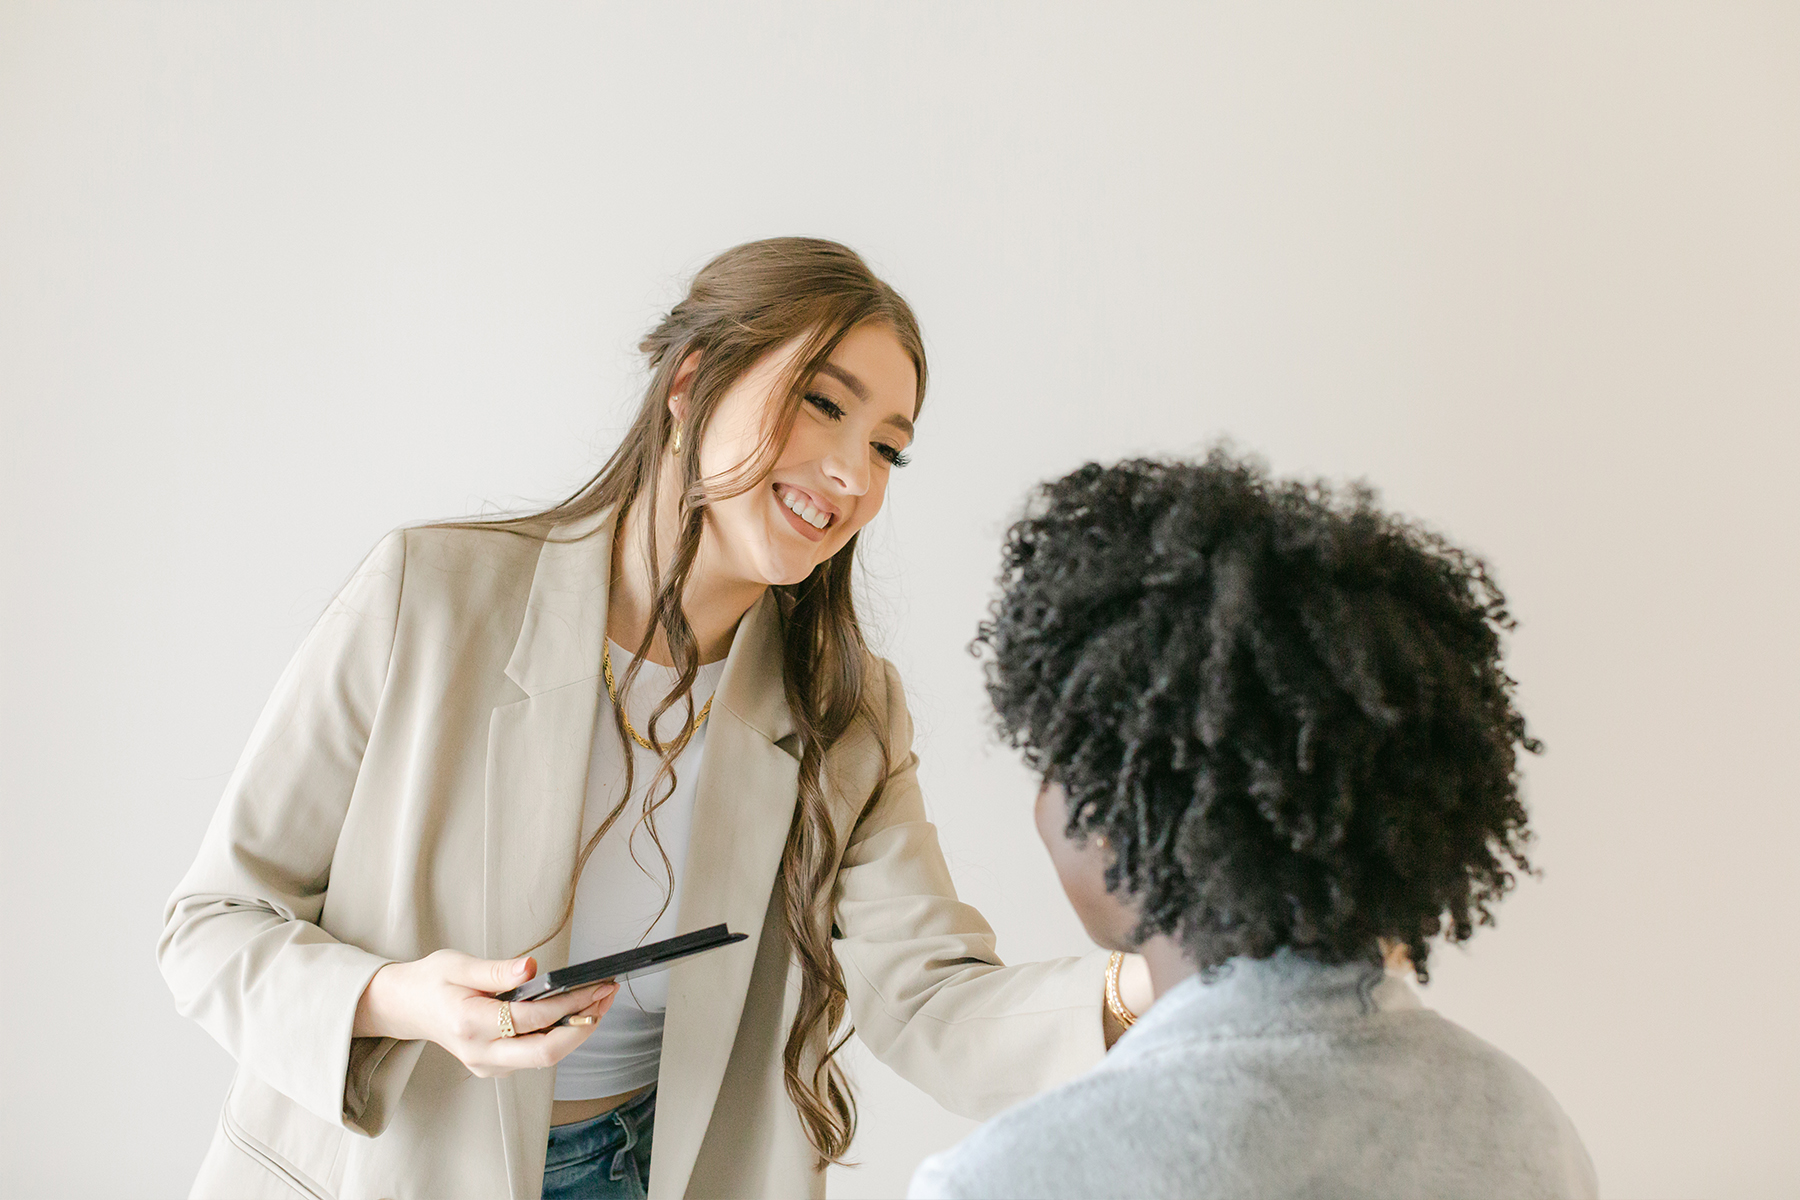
x=493 y=975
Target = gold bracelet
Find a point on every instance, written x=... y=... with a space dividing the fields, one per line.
x=1114 y=1004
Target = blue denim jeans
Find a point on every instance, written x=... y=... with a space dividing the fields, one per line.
x=604 y=1158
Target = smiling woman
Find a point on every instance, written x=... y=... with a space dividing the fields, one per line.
x=832 y=455
x=643 y=711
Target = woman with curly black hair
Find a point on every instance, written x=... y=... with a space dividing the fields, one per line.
x=1279 y=753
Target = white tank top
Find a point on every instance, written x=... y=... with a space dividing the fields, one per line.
x=624 y=885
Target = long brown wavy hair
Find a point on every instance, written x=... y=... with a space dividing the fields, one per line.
x=742 y=305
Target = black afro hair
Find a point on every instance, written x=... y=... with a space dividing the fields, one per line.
x=1284 y=708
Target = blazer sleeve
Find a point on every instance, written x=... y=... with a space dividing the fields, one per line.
x=928 y=992
x=241 y=946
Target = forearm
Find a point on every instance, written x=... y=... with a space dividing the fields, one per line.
x=982 y=1037
x=279 y=994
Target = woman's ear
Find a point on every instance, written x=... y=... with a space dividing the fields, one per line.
x=678 y=387
x=1081 y=867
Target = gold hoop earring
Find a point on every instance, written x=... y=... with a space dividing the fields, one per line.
x=675 y=442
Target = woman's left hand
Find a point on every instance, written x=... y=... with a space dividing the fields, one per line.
x=447 y=997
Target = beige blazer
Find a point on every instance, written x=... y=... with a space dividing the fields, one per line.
x=417 y=781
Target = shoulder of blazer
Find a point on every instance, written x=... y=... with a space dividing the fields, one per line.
x=881 y=738
x=500 y=550
x=459 y=563
x=467 y=586
x=886 y=700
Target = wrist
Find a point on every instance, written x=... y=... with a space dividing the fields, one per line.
x=379 y=1011
x=1122 y=1014
x=1137 y=990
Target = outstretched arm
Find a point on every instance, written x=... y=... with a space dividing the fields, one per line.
x=928 y=992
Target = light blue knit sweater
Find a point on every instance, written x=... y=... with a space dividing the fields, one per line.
x=1283 y=1078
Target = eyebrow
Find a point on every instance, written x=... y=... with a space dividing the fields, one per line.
x=861 y=392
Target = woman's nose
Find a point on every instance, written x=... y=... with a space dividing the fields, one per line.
x=847 y=471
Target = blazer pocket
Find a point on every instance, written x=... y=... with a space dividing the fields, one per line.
x=286 y=1140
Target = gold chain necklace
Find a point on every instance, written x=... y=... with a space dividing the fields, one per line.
x=612 y=691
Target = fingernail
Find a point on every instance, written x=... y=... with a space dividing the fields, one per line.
x=522 y=966
x=581 y=1020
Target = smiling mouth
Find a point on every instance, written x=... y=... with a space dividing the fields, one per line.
x=800 y=507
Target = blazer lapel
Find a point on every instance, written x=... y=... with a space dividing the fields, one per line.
x=537 y=764
x=744 y=803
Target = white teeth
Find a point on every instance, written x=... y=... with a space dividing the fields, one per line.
x=805 y=511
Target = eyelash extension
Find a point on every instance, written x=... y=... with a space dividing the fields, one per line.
x=895 y=458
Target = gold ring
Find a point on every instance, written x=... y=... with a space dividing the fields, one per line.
x=506 y=1025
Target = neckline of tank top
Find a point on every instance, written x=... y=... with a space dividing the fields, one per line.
x=654 y=680
x=623 y=658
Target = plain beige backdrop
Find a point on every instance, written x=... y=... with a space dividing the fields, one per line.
x=276 y=278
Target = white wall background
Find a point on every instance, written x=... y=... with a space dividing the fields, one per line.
x=275 y=278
